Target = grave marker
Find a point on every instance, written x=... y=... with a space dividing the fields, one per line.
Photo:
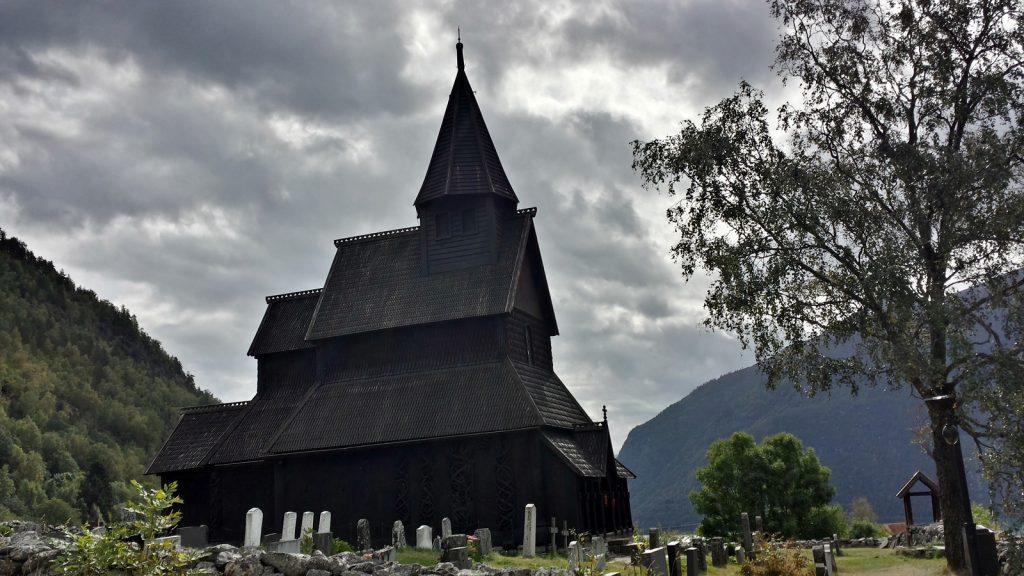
x=194 y=536
x=307 y=525
x=424 y=537
x=655 y=561
x=554 y=535
x=653 y=538
x=323 y=541
x=691 y=562
x=363 y=535
x=484 y=536
x=530 y=532
x=253 y=527
x=325 y=522
x=288 y=526
x=446 y=527
x=673 y=558
x=398 y=535
x=748 y=541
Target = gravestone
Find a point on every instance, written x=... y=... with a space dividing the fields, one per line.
x=600 y=550
x=835 y=545
x=530 y=532
x=385 y=554
x=446 y=527
x=323 y=541
x=748 y=540
x=830 y=559
x=741 y=556
x=307 y=525
x=574 y=556
x=194 y=536
x=701 y=544
x=437 y=543
x=398 y=535
x=554 y=535
x=455 y=549
x=759 y=524
x=988 y=555
x=459 y=557
x=691 y=562
x=483 y=535
x=820 y=563
x=269 y=538
x=286 y=546
x=325 y=522
x=655 y=562
x=654 y=538
x=288 y=527
x=424 y=537
x=719 y=555
x=363 y=535
x=253 y=528
x=565 y=534
x=673 y=558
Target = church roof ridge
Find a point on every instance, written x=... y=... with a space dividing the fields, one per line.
x=293 y=295
x=374 y=235
x=214 y=407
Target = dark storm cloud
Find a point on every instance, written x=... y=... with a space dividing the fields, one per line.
x=189 y=158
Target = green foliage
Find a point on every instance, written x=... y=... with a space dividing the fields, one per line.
x=113 y=552
x=983 y=515
x=824 y=521
x=306 y=542
x=86 y=397
x=862 y=510
x=865 y=529
x=780 y=481
x=338 y=546
x=773 y=559
x=473 y=549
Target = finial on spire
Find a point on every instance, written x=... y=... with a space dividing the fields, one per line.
x=458 y=51
x=605 y=410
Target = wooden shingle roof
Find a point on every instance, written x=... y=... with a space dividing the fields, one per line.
x=464 y=159
x=376 y=282
x=585 y=450
x=285 y=323
x=198 y=430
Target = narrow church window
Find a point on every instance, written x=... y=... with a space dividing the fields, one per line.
x=442 y=225
x=529 y=345
x=469 y=221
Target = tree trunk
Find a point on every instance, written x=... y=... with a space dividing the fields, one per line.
x=952 y=497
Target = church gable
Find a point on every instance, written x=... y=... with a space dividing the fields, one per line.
x=532 y=295
x=285 y=323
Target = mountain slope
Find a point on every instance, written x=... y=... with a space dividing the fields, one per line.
x=86 y=397
x=866 y=440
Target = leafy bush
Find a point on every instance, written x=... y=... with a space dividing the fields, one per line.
x=338 y=546
x=115 y=552
x=823 y=522
x=775 y=560
x=865 y=529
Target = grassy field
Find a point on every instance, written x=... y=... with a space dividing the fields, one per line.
x=859 y=561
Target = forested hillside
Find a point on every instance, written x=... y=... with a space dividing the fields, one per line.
x=866 y=440
x=86 y=396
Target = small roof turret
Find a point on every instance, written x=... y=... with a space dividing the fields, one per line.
x=464 y=159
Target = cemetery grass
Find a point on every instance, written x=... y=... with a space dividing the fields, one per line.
x=863 y=561
x=410 y=555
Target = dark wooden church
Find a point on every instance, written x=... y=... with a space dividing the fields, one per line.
x=416 y=384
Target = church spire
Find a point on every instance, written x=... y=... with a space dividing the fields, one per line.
x=464 y=159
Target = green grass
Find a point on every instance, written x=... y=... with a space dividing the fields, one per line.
x=856 y=561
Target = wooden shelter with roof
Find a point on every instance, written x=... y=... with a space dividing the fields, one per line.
x=416 y=384
x=931 y=489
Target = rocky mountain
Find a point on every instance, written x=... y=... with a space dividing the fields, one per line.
x=866 y=440
x=86 y=396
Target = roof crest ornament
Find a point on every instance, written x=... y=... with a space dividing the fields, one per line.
x=458 y=53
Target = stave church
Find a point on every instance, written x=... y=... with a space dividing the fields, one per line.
x=417 y=383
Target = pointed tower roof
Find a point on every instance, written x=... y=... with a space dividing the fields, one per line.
x=464 y=159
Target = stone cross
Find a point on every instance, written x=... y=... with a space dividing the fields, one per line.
x=748 y=540
x=554 y=535
x=325 y=522
x=653 y=538
x=691 y=562
x=530 y=532
x=288 y=528
x=425 y=537
x=398 y=534
x=565 y=533
x=446 y=527
x=363 y=535
x=307 y=524
x=655 y=561
x=484 y=536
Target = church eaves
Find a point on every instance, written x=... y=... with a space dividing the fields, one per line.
x=464 y=159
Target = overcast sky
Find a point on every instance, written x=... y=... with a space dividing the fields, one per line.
x=186 y=159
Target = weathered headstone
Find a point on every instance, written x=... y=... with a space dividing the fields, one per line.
x=654 y=538
x=325 y=522
x=459 y=557
x=323 y=541
x=194 y=536
x=673 y=558
x=830 y=559
x=436 y=545
x=307 y=525
x=741 y=557
x=286 y=546
x=820 y=562
x=701 y=544
x=398 y=535
x=253 y=527
x=759 y=524
x=691 y=562
x=748 y=540
x=719 y=555
x=575 y=556
x=835 y=545
x=988 y=554
x=455 y=549
x=272 y=537
x=655 y=562
x=385 y=554
x=483 y=535
x=425 y=537
x=446 y=527
x=288 y=527
x=363 y=535
x=530 y=532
